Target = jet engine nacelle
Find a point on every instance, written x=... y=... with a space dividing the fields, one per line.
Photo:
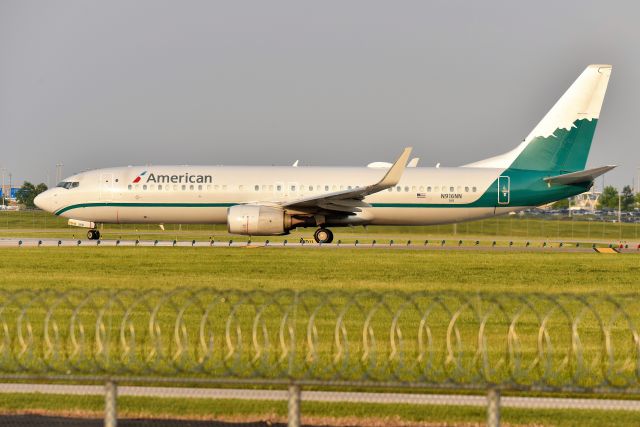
x=256 y=220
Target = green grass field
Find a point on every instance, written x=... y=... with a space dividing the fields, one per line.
x=302 y=269
x=290 y=268
x=505 y=228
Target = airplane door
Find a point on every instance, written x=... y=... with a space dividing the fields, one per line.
x=504 y=191
x=106 y=186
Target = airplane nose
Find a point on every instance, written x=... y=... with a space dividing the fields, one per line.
x=45 y=201
x=38 y=201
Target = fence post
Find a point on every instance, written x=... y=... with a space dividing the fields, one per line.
x=110 y=408
x=293 y=418
x=493 y=407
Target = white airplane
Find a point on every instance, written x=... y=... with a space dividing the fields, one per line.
x=547 y=166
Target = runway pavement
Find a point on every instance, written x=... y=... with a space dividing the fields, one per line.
x=329 y=396
x=435 y=245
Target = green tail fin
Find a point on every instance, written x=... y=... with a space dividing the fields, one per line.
x=562 y=139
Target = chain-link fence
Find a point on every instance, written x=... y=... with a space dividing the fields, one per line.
x=401 y=341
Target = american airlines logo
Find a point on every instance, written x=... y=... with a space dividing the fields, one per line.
x=139 y=177
x=185 y=178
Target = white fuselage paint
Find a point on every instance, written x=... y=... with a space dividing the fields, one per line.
x=111 y=196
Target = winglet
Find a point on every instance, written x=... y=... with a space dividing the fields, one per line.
x=394 y=173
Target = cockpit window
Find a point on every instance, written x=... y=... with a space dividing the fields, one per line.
x=68 y=184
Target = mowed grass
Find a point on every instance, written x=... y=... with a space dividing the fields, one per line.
x=313 y=413
x=316 y=268
x=37 y=223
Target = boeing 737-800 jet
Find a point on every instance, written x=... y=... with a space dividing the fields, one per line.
x=547 y=166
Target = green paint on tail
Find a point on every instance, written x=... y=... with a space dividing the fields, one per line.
x=565 y=150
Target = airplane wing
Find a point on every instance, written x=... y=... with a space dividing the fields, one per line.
x=350 y=201
x=578 y=177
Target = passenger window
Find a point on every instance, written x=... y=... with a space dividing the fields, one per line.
x=390 y=189
x=130 y=186
x=428 y=189
x=474 y=189
x=422 y=188
x=335 y=187
x=311 y=188
x=279 y=187
x=413 y=188
x=349 y=187
x=451 y=190
x=459 y=189
x=159 y=187
x=184 y=187
x=208 y=187
x=398 y=188
x=144 y=187
x=240 y=187
x=406 y=189
x=224 y=188
x=466 y=189
x=436 y=189
x=271 y=188
x=293 y=188
x=175 y=188
x=191 y=187
x=200 y=187
x=326 y=188
x=257 y=188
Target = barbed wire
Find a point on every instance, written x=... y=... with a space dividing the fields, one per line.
x=452 y=339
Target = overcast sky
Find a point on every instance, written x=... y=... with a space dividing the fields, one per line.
x=112 y=83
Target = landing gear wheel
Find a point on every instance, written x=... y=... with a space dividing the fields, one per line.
x=323 y=235
x=93 y=235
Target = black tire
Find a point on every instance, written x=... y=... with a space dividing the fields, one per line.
x=323 y=235
x=93 y=235
x=96 y=234
x=90 y=234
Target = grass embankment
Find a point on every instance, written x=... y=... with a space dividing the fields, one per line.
x=583 y=229
x=313 y=413
x=270 y=269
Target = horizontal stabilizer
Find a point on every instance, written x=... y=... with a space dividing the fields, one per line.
x=587 y=175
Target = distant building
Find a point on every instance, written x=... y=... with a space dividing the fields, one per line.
x=587 y=201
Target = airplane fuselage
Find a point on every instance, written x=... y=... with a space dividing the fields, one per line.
x=203 y=194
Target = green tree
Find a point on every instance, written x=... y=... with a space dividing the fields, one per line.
x=28 y=192
x=628 y=200
x=609 y=198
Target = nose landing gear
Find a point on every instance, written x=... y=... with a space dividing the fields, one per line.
x=323 y=235
x=93 y=234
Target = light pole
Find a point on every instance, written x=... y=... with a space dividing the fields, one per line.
x=3 y=171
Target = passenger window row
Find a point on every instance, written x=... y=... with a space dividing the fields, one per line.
x=278 y=187
x=436 y=189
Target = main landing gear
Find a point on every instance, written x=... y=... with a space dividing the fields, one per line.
x=93 y=234
x=323 y=235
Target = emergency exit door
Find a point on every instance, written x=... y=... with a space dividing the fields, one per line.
x=504 y=184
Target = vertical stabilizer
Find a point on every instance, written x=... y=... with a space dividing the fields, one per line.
x=562 y=139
